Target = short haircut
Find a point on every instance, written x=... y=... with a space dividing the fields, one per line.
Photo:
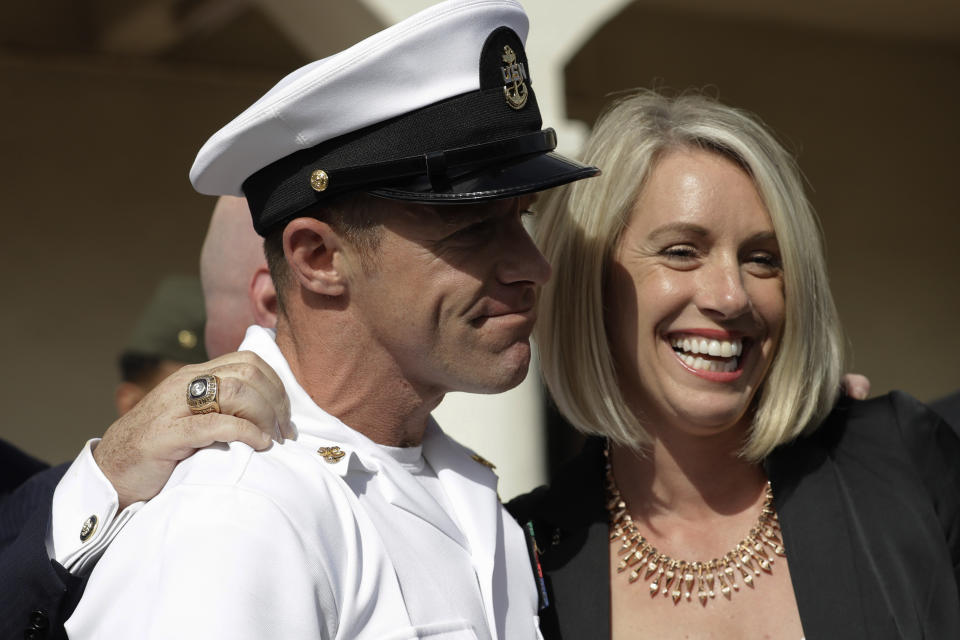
x=579 y=227
x=353 y=216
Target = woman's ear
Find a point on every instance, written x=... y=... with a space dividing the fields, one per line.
x=311 y=247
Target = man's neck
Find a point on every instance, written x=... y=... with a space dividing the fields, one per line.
x=351 y=378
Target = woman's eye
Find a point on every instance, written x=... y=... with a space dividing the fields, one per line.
x=766 y=261
x=765 y=258
x=680 y=251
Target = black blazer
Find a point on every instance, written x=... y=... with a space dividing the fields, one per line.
x=15 y=468
x=948 y=407
x=870 y=510
x=36 y=594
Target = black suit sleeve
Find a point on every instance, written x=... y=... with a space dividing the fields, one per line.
x=36 y=594
x=16 y=467
x=935 y=450
x=948 y=408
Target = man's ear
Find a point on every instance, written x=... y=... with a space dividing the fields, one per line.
x=314 y=252
x=263 y=298
x=127 y=396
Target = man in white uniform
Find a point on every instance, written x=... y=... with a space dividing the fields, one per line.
x=389 y=182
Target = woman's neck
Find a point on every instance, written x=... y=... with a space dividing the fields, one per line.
x=688 y=476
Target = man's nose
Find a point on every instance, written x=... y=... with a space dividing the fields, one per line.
x=520 y=260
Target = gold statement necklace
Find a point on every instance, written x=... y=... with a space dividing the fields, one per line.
x=682 y=578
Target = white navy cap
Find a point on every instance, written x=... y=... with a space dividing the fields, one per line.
x=437 y=108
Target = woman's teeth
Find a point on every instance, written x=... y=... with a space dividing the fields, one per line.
x=725 y=350
x=717 y=366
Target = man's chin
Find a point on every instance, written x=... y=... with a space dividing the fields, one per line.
x=504 y=373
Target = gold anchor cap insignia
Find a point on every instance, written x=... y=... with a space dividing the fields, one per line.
x=514 y=79
x=331 y=454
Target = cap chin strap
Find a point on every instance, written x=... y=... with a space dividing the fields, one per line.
x=437 y=165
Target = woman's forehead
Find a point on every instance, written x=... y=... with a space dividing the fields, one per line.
x=694 y=187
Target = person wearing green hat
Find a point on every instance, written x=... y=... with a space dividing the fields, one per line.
x=43 y=559
x=167 y=336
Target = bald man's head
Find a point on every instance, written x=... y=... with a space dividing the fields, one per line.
x=233 y=271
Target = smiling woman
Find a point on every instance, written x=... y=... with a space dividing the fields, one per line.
x=697 y=264
x=581 y=230
x=690 y=326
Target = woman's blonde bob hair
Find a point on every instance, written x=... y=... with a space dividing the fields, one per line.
x=580 y=225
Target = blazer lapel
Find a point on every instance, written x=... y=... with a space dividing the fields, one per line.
x=572 y=533
x=580 y=583
x=816 y=532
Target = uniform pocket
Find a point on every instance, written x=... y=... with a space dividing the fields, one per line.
x=447 y=630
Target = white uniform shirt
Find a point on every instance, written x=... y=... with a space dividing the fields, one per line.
x=285 y=544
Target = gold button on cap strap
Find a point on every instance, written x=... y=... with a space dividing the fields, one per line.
x=319 y=180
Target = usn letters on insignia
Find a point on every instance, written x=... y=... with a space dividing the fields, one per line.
x=514 y=79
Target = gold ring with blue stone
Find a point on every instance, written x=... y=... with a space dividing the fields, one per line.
x=203 y=394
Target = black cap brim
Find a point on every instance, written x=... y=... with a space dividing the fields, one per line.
x=525 y=175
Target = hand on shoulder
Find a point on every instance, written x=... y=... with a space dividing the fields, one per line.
x=139 y=451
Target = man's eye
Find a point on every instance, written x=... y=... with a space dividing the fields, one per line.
x=476 y=230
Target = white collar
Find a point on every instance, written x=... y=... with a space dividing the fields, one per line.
x=470 y=486
x=311 y=420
